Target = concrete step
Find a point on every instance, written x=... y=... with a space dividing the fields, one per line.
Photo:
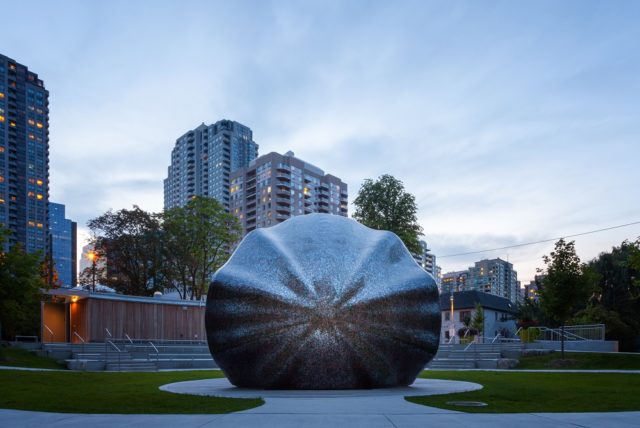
x=451 y=364
x=123 y=356
x=131 y=366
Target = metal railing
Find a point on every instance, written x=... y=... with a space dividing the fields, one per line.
x=572 y=332
x=155 y=349
x=75 y=333
x=50 y=331
x=107 y=351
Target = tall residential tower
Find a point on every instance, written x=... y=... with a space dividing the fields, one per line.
x=24 y=156
x=203 y=159
x=275 y=187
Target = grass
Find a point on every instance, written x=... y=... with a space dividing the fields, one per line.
x=18 y=357
x=100 y=392
x=518 y=392
x=582 y=361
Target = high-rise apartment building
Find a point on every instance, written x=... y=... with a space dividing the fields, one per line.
x=495 y=276
x=275 y=187
x=426 y=259
x=203 y=159
x=24 y=156
x=454 y=281
x=63 y=235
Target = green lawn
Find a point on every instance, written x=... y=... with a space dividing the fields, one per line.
x=582 y=361
x=517 y=392
x=18 y=357
x=100 y=392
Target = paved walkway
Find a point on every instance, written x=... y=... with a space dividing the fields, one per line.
x=320 y=409
x=432 y=418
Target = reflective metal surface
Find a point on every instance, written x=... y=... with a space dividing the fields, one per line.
x=322 y=302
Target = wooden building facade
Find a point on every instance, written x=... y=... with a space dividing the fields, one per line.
x=71 y=315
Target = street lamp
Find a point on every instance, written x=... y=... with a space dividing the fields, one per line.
x=93 y=257
x=452 y=329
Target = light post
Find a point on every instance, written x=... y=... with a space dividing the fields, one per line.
x=93 y=257
x=452 y=329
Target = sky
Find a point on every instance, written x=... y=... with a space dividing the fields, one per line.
x=510 y=122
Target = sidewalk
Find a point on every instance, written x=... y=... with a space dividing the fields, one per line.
x=433 y=418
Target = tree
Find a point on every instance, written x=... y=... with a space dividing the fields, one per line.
x=565 y=290
x=385 y=205
x=197 y=240
x=477 y=323
x=130 y=242
x=90 y=277
x=615 y=301
x=20 y=284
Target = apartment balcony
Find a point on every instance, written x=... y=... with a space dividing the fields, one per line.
x=322 y=203
x=283 y=201
x=283 y=191
x=322 y=196
x=282 y=217
x=283 y=209
x=284 y=168
x=323 y=210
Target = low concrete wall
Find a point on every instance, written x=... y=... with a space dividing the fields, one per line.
x=576 y=345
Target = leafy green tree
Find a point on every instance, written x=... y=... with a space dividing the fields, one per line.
x=477 y=323
x=615 y=301
x=565 y=289
x=385 y=205
x=130 y=240
x=197 y=240
x=20 y=284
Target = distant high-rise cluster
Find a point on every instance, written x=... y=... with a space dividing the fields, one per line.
x=494 y=276
x=275 y=187
x=203 y=159
x=221 y=161
x=24 y=156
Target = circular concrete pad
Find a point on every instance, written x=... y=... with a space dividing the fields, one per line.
x=222 y=388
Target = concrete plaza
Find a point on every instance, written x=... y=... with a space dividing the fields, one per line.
x=351 y=408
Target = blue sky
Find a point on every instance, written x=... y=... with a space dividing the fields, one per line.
x=509 y=121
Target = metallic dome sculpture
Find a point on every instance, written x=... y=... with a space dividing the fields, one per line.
x=322 y=302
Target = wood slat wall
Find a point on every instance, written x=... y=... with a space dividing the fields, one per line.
x=79 y=321
x=144 y=320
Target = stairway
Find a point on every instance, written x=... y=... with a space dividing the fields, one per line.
x=476 y=356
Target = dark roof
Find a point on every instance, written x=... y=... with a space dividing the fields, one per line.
x=468 y=300
x=83 y=294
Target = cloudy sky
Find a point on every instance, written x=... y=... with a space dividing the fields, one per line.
x=510 y=122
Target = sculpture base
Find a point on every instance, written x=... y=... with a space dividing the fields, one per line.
x=222 y=388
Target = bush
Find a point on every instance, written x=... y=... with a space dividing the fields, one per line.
x=528 y=335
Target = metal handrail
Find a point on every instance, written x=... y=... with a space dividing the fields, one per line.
x=127 y=336
x=114 y=345
x=49 y=330
x=156 y=349
x=80 y=337
x=108 y=332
